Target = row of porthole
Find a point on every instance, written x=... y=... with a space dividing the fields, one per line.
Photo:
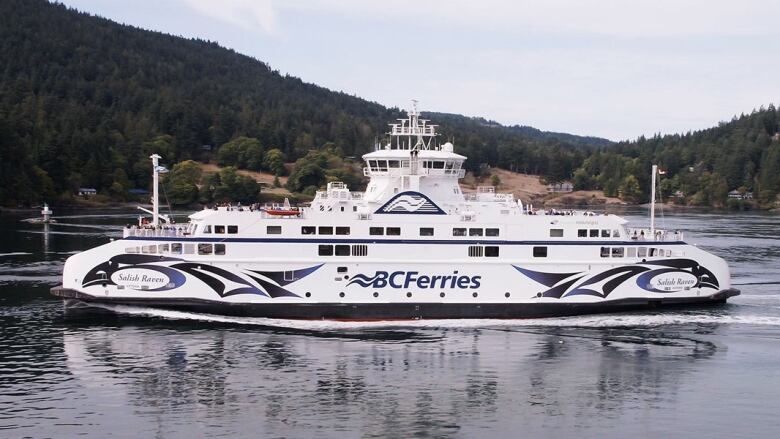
x=409 y=294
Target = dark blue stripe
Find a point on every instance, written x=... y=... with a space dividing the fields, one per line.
x=398 y=241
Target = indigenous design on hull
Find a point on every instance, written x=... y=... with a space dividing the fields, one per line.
x=145 y=273
x=411 y=202
x=680 y=274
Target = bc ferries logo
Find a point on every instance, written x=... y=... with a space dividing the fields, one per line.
x=411 y=202
x=413 y=279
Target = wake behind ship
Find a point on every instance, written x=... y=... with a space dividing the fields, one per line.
x=412 y=246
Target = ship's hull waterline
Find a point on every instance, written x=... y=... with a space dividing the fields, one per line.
x=401 y=311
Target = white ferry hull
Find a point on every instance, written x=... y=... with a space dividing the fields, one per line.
x=346 y=290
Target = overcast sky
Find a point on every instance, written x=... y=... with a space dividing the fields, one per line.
x=611 y=68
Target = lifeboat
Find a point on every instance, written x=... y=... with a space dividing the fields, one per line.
x=282 y=212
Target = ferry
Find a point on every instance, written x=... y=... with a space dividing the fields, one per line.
x=414 y=245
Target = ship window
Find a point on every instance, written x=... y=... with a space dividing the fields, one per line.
x=540 y=252
x=149 y=249
x=342 y=250
x=326 y=230
x=616 y=233
x=652 y=252
x=342 y=230
x=491 y=251
x=668 y=253
x=273 y=230
x=205 y=249
x=376 y=231
x=438 y=165
x=308 y=230
x=189 y=249
x=491 y=232
x=556 y=233
x=604 y=252
x=164 y=248
x=341 y=269
x=381 y=165
x=219 y=229
x=594 y=233
x=219 y=249
x=475 y=232
x=393 y=164
x=325 y=250
x=605 y=233
x=641 y=252
x=372 y=164
x=426 y=231
x=359 y=250
x=394 y=231
x=176 y=248
x=631 y=252
x=458 y=232
x=207 y=228
x=131 y=250
x=582 y=233
x=617 y=252
x=475 y=251
x=232 y=230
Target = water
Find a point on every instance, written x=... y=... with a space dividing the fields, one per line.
x=137 y=372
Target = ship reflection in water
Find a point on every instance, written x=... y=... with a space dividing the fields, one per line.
x=386 y=381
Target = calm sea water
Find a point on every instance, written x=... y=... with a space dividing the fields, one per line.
x=145 y=373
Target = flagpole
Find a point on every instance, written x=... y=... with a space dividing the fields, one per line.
x=155 y=193
x=652 y=202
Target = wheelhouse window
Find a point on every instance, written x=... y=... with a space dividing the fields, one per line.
x=376 y=231
x=426 y=231
x=326 y=230
x=540 y=252
x=556 y=233
x=308 y=230
x=273 y=230
x=393 y=231
x=491 y=232
x=458 y=231
x=342 y=230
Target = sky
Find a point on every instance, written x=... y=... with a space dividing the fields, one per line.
x=610 y=68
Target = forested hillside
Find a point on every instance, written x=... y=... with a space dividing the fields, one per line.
x=84 y=101
x=742 y=155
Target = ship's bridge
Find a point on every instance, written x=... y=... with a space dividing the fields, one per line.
x=412 y=161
